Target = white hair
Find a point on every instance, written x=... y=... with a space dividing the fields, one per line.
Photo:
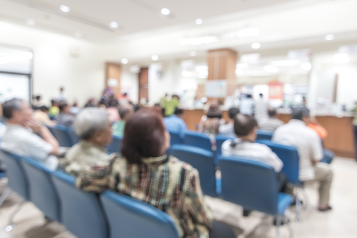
x=89 y=120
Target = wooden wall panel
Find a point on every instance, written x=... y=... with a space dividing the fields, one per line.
x=143 y=83
x=113 y=71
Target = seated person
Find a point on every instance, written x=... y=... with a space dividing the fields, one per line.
x=145 y=172
x=170 y=105
x=41 y=116
x=228 y=129
x=65 y=117
x=93 y=127
x=245 y=127
x=2 y=125
x=54 y=110
x=175 y=123
x=125 y=111
x=212 y=121
x=271 y=123
x=20 y=137
x=308 y=144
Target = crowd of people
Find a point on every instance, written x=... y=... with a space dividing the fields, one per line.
x=143 y=169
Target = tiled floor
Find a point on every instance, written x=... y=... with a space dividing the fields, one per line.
x=339 y=223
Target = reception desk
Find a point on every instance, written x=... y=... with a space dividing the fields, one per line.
x=340 y=138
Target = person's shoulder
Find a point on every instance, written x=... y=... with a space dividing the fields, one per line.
x=175 y=163
x=311 y=133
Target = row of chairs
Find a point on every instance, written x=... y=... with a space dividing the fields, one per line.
x=86 y=215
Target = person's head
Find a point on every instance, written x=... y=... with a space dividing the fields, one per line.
x=38 y=98
x=272 y=112
x=93 y=125
x=125 y=94
x=214 y=111
x=245 y=127
x=145 y=136
x=64 y=108
x=304 y=100
x=166 y=94
x=75 y=104
x=232 y=112
x=43 y=109
x=125 y=111
x=61 y=89
x=261 y=95
x=302 y=114
x=178 y=111
x=54 y=103
x=249 y=96
x=17 y=111
x=175 y=97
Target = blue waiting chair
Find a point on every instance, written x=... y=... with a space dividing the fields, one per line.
x=132 y=218
x=62 y=135
x=81 y=212
x=203 y=161
x=175 y=139
x=74 y=138
x=254 y=186
x=17 y=182
x=115 y=145
x=220 y=139
x=198 y=139
x=42 y=190
x=264 y=135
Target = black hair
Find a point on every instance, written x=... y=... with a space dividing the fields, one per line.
x=43 y=108
x=244 y=124
x=272 y=112
x=178 y=111
x=62 y=106
x=233 y=111
x=299 y=113
x=10 y=106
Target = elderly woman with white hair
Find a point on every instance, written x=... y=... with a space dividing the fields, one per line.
x=93 y=127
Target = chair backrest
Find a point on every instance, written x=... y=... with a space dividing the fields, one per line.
x=250 y=184
x=42 y=190
x=62 y=135
x=175 y=138
x=17 y=179
x=290 y=158
x=74 y=138
x=220 y=139
x=82 y=213
x=264 y=135
x=198 y=139
x=203 y=161
x=129 y=217
x=115 y=145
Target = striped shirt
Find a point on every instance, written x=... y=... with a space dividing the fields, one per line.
x=270 y=124
x=163 y=182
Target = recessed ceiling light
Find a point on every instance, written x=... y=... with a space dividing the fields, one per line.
x=341 y=58
x=193 y=53
x=155 y=57
x=199 y=21
x=306 y=66
x=113 y=25
x=165 y=11
x=271 y=69
x=124 y=61
x=239 y=71
x=330 y=37
x=65 y=8
x=30 y=22
x=256 y=45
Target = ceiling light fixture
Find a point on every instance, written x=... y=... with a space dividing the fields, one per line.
x=154 y=57
x=271 y=69
x=239 y=71
x=306 y=66
x=165 y=11
x=113 y=25
x=124 y=61
x=65 y=8
x=341 y=58
x=199 y=21
x=330 y=37
x=193 y=53
x=285 y=62
x=30 y=22
x=256 y=46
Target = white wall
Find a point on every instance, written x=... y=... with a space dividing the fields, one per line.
x=129 y=83
x=54 y=66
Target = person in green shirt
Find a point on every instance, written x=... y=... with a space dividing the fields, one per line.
x=171 y=105
x=54 y=110
x=125 y=112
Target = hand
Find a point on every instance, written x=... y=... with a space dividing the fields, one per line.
x=34 y=126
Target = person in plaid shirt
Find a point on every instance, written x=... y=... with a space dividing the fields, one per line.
x=143 y=171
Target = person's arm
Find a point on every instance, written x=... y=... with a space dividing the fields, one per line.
x=275 y=161
x=96 y=179
x=316 y=148
x=195 y=206
x=46 y=136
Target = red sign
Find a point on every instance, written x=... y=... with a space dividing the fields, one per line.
x=276 y=90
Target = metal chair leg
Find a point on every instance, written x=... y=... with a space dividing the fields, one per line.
x=298 y=207
x=278 y=223
x=306 y=198
x=291 y=232
x=11 y=225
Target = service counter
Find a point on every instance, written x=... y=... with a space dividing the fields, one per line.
x=340 y=138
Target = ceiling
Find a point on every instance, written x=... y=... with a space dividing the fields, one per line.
x=90 y=19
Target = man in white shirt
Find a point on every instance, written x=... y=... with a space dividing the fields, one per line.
x=297 y=134
x=245 y=127
x=271 y=123
x=261 y=108
x=247 y=105
x=20 y=139
x=228 y=129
